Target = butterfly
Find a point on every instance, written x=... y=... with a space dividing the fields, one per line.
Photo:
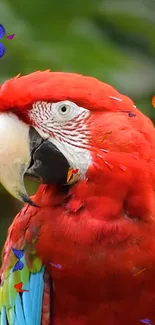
x=2 y=33
x=105 y=136
x=19 y=254
x=130 y=114
x=18 y=287
x=58 y=266
x=10 y=37
x=146 y=321
x=2 y=47
x=70 y=176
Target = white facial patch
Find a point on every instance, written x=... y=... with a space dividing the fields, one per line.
x=64 y=124
x=76 y=157
x=14 y=153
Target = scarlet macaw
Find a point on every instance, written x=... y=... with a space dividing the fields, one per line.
x=88 y=248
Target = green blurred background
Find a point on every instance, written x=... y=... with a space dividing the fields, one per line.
x=113 y=40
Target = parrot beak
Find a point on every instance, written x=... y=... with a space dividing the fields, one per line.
x=24 y=152
x=14 y=155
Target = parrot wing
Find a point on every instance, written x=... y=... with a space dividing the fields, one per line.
x=19 y=307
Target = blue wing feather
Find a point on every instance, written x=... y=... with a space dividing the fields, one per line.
x=36 y=282
x=16 y=322
x=19 y=311
x=3 y=316
x=27 y=305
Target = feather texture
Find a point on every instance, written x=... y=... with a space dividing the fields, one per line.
x=22 y=308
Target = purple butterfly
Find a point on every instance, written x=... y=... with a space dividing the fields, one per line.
x=145 y=321
x=130 y=114
x=19 y=254
x=58 y=266
x=2 y=47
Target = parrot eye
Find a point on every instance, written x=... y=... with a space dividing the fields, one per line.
x=64 y=109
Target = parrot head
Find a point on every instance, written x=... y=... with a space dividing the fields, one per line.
x=48 y=123
x=53 y=121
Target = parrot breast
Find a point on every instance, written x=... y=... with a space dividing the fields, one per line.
x=97 y=257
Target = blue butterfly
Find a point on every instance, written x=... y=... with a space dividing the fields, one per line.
x=19 y=254
x=2 y=47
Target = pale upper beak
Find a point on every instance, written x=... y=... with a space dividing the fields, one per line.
x=15 y=155
x=22 y=147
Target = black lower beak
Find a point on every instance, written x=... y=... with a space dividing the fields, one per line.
x=48 y=165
